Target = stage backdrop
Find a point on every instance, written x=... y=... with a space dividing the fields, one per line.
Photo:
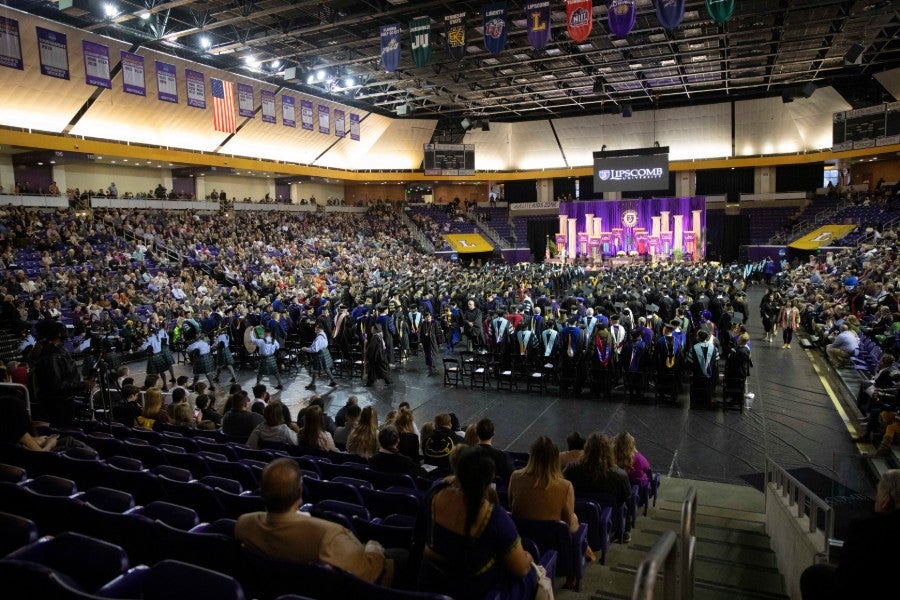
x=624 y=218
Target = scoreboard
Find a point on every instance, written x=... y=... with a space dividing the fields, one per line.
x=866 y=127
x=449 y=159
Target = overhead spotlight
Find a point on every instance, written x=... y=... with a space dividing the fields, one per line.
x=310 y=78
x=808 y=90
x=320 y=74
x=205 y=43
x=349 y=82
x=854 y=55
x=485 y=125
x=145 y=15
x=110 y=10
x=276 y=63
x=465 y=123
x=626 y=110
x=251 y=61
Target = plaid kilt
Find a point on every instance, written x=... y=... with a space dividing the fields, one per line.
x=167 y=353
x=203 y=364
x=321 y=360
x=224 y=357
x=157 y=364
x=267 y=365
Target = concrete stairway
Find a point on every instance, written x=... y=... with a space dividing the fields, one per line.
x=733 y=558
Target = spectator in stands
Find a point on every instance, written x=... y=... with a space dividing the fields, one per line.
x=869 y=555
x=57 y=380
x=363 y=440
x=596 y=472
x=503 y=466
x=207 y=411
x=575 y=449
x=153 y=411
x=844 y=346
x=314 y=434
x=539 y=491
x=16 y=427
x=408 y=443
x=631 y=461
x=439 y=443
x=112 y=191
x=351 y=418
x=239 y=422
x=342 y=412
x=388 y=458
x=284 y=533
x=274 y=429
x=183 y=415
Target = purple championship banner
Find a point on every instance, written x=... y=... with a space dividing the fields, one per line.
x=306 y=115
x=96 y=64
x=354 y=127
x=10 y=44
x=340 y=125
x=133 y=77
x=196 y=88
x=245 y=100
x=54 y=53
x=267 y=99
x=324 y=118
x=287 y=111
x=166 y=82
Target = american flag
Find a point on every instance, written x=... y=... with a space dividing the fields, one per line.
x=223 y=105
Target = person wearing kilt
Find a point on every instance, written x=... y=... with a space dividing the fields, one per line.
x=267 y=349
x=199 y=352
x=224 y=357
x=320 y=357
x=156 y=362
x=163 y=338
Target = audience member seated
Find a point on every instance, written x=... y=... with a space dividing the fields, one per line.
x=596 y=472
x=363 y=440
x=207 y=412
x=503 y=466
x=631 y=461
x=284 y=533
x=153 y=411
x=314 y=434
x=349 y=422
x=239 y=422
x=439 y=443
x=575 y=444
x=274 y=429
x=409 y=441
x=341 y=416
x=16 y=427
x=388 y=458
x=844 y=347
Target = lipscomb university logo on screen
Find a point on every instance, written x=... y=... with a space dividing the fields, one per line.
x=604 y=175
x=629 y=218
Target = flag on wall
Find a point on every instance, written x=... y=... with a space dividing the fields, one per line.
x=579 y=19
x=223 y=105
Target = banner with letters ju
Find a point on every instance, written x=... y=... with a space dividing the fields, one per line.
x=324 y=119
x=267 y=100
x=354 y=127
x=96 y=64
x=720 y=10
x=538 y=16
x=287 y=111
x=196 y=88
x=455 y=28
x=420 y=40
x=166 y=82
x=340 y=124
x=622 y=15
x=10 y=44
x=390 y=47
x=53 y=50
x=133 y=77
x=495 y=27
x=579 y=19
x=246 y=107
x=669 y=13
x=306 y=115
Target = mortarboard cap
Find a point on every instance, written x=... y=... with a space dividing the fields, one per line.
x=619 y=305
x=652 y=308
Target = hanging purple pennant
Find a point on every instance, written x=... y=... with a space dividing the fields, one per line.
x=622 y=14
x=306 y=115
x=670 y=13
x=354 y=127
x=495 y=27
x=324 y=119
x=96 y=64
x=267 y=105
x=390 y=47
x=246 y=107
x=53 y=51
x=538 y=16
x=10 y=44
x=166 y=82
x=196 y=88
x=133 y=79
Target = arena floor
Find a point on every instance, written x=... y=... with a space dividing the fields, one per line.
x=792 y=418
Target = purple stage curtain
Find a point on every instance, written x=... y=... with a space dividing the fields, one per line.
x=611 y=211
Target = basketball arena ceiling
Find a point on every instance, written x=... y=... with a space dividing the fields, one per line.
x=332 y=49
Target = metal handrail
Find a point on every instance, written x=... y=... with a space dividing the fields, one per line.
x=492 y=234
x=661 y=555
x=800 y=496
x=688 y=542
x=416 y=232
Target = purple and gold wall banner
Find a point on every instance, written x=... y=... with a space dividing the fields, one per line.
x=495 y=27
x=10 y=44
x=669 y=13
x=53 y=50
x=560 y=238
x=324 y=119
x=96 y=64
x=267 y=100
x=246 y=108
x=390 y=47
x=306 y=115
x=354 y=127
x=537 y=15
x=455 y=30
x=340 y=123
x=166 y=82
x=134 y=78
x=287 y=111
x=196 y=88
x=622 y=15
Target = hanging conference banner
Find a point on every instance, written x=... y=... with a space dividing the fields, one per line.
x=720 y=10
x=670 y=13
x=54 y=53
x=287 y=111
x=166 y=82
x=96 y=64
x=455 y=27
x=622 y=15
x=267 y=99
x=420 y=40
x=340 y=123
x=579 y=19
x=354 y=127
x=196 y=88
x=390 y=47
x=245 y=100
x=495 y=27
x=133 y=76
x=10 y=44
x=538 y=17
x=306 y=115
x=324 y=117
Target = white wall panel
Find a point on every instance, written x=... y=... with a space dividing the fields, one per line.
x=401 y=146
x=702 y=131
x=348 y=153
x=582 y=136
x=236 y=186
x=494 y=149
x=86 y=176
x=534 y=146
x=320 y=191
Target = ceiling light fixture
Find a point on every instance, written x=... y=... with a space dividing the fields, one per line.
x=320 y=74
x=205 y=43
x=110 y=10
x=145 y=15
